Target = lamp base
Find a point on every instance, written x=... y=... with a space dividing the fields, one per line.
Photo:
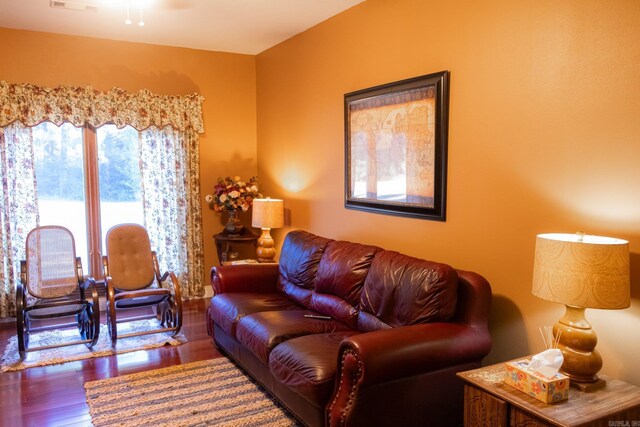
x=588 y=387
x=577 y=342
x=266 y=250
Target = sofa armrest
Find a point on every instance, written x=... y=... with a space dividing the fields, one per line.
x=244 y=278
x=382 y=356
x=399 y=352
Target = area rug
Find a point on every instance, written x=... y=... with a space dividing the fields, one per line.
x=11 y=359
x=206 y=393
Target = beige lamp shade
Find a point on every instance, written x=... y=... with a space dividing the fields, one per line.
x=267 y=213
x=582 y=270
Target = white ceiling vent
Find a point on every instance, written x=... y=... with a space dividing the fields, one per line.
x=73 y=5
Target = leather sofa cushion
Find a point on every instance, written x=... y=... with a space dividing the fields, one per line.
x=227 y=309
x=368 y=322
x=261 y=332
x=308 y=365
x=341 y=273
x=401 y=290
x=299 y=259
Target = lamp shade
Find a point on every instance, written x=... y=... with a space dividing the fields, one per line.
x=582 y=270
x=267 y=213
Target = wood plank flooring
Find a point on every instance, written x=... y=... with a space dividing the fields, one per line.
x=54 y=395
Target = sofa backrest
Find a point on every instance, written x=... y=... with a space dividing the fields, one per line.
x=366 y=287
x=299 y=258
x=401 y=290
x=341 y=274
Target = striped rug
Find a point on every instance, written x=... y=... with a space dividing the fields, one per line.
x=206 y=393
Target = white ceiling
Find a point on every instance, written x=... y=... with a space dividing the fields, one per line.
x=239 y=26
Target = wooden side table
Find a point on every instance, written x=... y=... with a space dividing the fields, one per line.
x=488 y=401
x=224 y=242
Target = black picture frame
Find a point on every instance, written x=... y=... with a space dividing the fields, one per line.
x=396 y=138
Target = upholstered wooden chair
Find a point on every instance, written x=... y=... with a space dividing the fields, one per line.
x=52 y=286
x=133 y=281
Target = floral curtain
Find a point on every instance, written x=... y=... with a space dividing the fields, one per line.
x=180 y=118
x=170 y=173
x=18 y=208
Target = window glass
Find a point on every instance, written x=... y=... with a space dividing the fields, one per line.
x=60 y=180
x=119 y=177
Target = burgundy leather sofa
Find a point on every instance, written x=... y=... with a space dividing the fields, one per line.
x=397 y=330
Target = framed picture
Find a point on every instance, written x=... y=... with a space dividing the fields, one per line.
x=396 y=147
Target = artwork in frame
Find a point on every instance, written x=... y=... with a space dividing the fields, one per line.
x=396 y=147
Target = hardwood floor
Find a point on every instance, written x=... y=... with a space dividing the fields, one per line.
x=54 y=395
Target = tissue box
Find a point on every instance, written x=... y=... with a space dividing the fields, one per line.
x=545 y=389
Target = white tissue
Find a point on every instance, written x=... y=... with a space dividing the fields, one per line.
x=547 y=363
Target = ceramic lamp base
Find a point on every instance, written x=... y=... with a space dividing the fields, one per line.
x=266 y=250
x=577 y=342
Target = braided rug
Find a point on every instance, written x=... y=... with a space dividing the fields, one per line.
x=206 y=393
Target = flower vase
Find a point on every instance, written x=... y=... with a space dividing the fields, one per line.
x=233 y=227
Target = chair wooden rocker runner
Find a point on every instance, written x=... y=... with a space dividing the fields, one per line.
x=133 y=281
x=52 y=286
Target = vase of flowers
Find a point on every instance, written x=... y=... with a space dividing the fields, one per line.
x=232 y=195
x=234 y=226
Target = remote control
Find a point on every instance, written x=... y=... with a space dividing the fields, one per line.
x=317 y=316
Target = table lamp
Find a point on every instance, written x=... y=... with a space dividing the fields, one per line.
x=267 y=214
x=581 y=271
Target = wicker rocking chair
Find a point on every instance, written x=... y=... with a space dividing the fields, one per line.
x=52 y=286
x=133 y=281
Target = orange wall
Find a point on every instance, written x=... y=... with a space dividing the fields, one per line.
x=227 y=81
x=544 y=136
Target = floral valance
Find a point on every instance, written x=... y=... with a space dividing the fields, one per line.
x=30 y=105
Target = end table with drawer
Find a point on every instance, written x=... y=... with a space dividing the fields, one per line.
x=488 y=401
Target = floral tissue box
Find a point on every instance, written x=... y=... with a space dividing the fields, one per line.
x=545 y=389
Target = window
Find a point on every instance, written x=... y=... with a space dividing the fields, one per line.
x=88 y=159
x=87 y=180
